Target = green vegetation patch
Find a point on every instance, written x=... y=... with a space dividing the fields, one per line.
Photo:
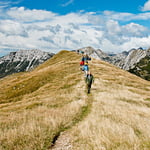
x=147 y=99
x=142 y=68
x=33 y=105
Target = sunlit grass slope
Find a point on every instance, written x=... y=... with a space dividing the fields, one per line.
x=120 y=112
x=36 y=106
x=48 y=108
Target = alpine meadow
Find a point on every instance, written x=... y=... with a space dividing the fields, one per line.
x=49 y=108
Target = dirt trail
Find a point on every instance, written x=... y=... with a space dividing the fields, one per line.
x=63 y=142
x=118 y=114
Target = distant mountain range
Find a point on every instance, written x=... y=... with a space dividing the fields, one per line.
x=136 y=61
x=22 y=60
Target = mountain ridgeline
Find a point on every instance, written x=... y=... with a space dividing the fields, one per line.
x=49 y=108
x=22 y=60
x=136 y=61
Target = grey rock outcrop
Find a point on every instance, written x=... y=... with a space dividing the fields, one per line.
x=142 y=68
x=22 y=60
x=125 y=60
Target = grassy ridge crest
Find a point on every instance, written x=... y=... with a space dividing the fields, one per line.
x=36 y=107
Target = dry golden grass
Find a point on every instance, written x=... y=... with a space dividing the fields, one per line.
x=37 y=107
x=42 y=104
x=119 y=117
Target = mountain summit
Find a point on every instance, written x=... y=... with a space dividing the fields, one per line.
x=48 y=108
x=126 y=60
x=22 y=60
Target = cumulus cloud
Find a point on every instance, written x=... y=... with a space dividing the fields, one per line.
x=9 y=27
x=22 y=28
x=130 y=30
x=118 y=35
x=146 y=6
x=125 y=16
x=135 y=30
x=26 y=15
x=75 y=18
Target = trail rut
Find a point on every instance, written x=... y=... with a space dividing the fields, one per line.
x=64 y=141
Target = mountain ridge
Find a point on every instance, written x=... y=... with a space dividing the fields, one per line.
x=26 y=60
x=22 y=60
x=125 y=60
x=48 y=108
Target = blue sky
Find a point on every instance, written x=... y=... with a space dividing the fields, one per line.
x=67 y=6
x=53 y=25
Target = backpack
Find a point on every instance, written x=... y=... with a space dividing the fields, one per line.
x=89 y=79
x=83 y=58
x=86 y=68
x=82 y=63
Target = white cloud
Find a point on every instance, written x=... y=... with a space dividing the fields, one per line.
x=135 y=42
x=8 y=3
x=68 y=3
x=125 y=16
x=4 y=4
x=146 y=6
x=26 y=29
x=113 y=27
x=75 y=18
x=96 y=19
x=9 y=27
x=135 y=30
x=119 y=34
x=26 y=15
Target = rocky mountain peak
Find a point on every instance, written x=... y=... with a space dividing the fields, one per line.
x=133 y=57
x=22 y=60
x=26 y=54
x=125 y=60
x=88 y=50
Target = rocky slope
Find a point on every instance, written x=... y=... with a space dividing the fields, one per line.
x=128 y=60
x=22 y=60
x=142 y=68
x=125 y=60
